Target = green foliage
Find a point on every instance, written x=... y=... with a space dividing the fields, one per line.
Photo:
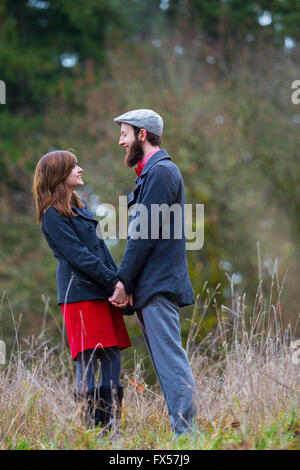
x=230 y=138
x=235 y=20
x=229 y=125
x=34 y=37
x=46 y=48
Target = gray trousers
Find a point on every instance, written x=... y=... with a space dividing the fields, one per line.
x=159 y=322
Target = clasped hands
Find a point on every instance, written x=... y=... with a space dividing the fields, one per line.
x=120 y=298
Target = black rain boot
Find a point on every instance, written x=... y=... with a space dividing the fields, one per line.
x=119 y=398
x=111 y=405
x=92 y=412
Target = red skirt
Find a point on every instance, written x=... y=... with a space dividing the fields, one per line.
x=94 y=324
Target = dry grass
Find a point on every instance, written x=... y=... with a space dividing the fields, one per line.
x=247 y=388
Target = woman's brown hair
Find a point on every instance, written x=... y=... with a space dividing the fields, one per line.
x=49 y=187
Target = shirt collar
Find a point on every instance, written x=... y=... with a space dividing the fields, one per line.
x=161 y=154
x=141 y=165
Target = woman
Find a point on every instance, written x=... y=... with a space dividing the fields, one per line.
x=86 y=278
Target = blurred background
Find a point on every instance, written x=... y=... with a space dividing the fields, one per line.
x=219 y=72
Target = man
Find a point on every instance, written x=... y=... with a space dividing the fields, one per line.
x=154 y=267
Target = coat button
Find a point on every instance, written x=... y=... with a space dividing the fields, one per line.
x=90 y=228
x=107 y=263
x=96 y=246
x=101 y=245
x=107 y=277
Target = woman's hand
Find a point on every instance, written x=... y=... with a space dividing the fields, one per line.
x=119 y=298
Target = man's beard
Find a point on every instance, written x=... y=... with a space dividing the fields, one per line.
x=135 y=154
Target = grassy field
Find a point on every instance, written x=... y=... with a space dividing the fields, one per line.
x=247 y=388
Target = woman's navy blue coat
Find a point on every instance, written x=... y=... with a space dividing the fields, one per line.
x=85 y=267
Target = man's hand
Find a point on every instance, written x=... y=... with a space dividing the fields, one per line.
x=119 y=298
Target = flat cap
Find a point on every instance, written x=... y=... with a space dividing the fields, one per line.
x=143 y=118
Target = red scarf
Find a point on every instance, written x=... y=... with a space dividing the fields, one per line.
x=139 y=169
x=140 y=165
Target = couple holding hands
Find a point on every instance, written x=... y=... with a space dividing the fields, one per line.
x=94 y=293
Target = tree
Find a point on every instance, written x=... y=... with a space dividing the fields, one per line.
x=41 y=40
x=241 y=20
